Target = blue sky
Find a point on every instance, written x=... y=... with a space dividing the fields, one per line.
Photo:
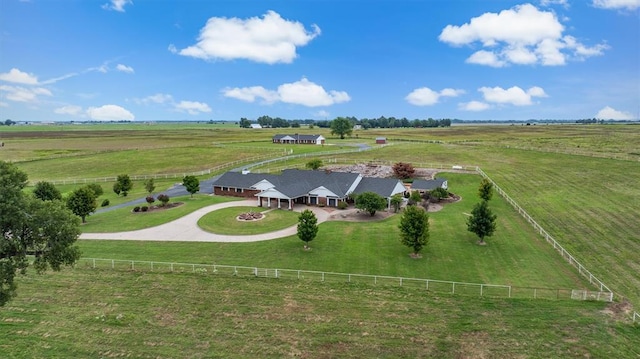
x=145 y=60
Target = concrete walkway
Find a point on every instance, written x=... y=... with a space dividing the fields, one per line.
x=185 y=229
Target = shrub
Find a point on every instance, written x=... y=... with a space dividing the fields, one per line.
x=105 y=203
x=403 y=170
x=136 y=209
x=150 y=199
x=144 y=208
x=96 y=188
x=164 y=199
x=342 y=205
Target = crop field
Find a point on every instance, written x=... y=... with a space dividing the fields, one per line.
x=581 y=183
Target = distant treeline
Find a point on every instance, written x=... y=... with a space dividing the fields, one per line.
x=364 y=123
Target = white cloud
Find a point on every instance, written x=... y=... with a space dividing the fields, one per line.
x=110 y=113
x=522 y=35
x=4 y=104
x=564 y=3
x=159 y=98
x=303 y=92
x=270 y=39
x=192 y=107
x=124 y=68
x=23 y=94
x=307 y=93
x=475 y=106
x=617 y=4
x=608 y=113
x=117 y=5
x=425 y=96
x=513 y=95
x=69 y=110
x=250 y=94
x=16 y=76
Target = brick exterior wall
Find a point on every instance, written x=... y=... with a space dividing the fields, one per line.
x=247 y=193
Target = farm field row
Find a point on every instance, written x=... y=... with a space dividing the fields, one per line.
x=111 y=313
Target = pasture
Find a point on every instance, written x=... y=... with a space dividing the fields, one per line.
x=581 y=183
x=111 y=314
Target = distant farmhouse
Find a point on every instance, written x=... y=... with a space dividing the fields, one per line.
x=299 y=139
x=304 y=187
x=255 y=125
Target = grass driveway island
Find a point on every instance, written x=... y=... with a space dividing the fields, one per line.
x=224 y=221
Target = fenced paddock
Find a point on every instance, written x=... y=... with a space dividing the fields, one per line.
x=431 y=285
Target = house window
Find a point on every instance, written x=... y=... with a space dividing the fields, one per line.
x=238 y=190
x=225 y=188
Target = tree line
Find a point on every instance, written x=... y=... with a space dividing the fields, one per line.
x=364 y=123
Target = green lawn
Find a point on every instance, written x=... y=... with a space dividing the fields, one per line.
x=124 y=219
x=514 y=256
x=224 y=221
x=87 y=313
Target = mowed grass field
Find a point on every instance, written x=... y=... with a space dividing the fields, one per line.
x=86 y=313
x=515 y=255
x=585 y=196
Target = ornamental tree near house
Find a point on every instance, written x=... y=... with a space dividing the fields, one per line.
x=414 y=228
x=123 y=185
x=370 y=202
x=82 y=202
x=482 y=221
x=192 y=184
x=307 y=227
x=149 y=185
x=403 y=170
x=485 y=191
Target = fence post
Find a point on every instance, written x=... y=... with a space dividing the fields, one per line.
x=112 y=264
x=509 y=291
x=132 y=266
x=94 y=263
x=481 y=289
x=323 y=276
x=151 y=265
x=453 y=287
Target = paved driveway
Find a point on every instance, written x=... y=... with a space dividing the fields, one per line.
x=186 y=229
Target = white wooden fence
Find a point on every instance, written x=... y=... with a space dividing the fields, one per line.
x=440 y=286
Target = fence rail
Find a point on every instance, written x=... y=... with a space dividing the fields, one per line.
x=636 y=317
x=440 y=286
x=563 y=252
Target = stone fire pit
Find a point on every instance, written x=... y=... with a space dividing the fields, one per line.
x=250 y=216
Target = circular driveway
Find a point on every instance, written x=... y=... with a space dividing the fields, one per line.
x=186 y=229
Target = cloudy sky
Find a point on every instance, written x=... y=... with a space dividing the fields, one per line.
x=147 y=60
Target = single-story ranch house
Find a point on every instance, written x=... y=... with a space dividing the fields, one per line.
x=303 y=187
x=296 y=139
x=423 y=186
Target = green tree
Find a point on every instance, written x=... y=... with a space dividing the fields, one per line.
x=124 y=185
x=396 y=202
x=414 y=228
x=96 y=188
x=150 y=185
x=314 y=164
x=486 y=189
x=341 y=126
x=82 y=202
x=370 y=202
x=482 y=221
x=191 y=183
x=307 y=227
x=29 y=225
x=164 y=199
x=46 y=191
x=245 y=123
x=439 y=193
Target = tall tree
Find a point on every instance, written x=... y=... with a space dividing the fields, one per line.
x=396 y=202
x=191 y=183
x=485 y=191
x=96 y=188
x=245 y=123
x=46 y=191
x=124 y=185
x=314 y=164
x=482 y=221
x=307 y=227
x=28 y=225
x=82 y=202
x=414 y=228
x=370 y=202
x=341 y=126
